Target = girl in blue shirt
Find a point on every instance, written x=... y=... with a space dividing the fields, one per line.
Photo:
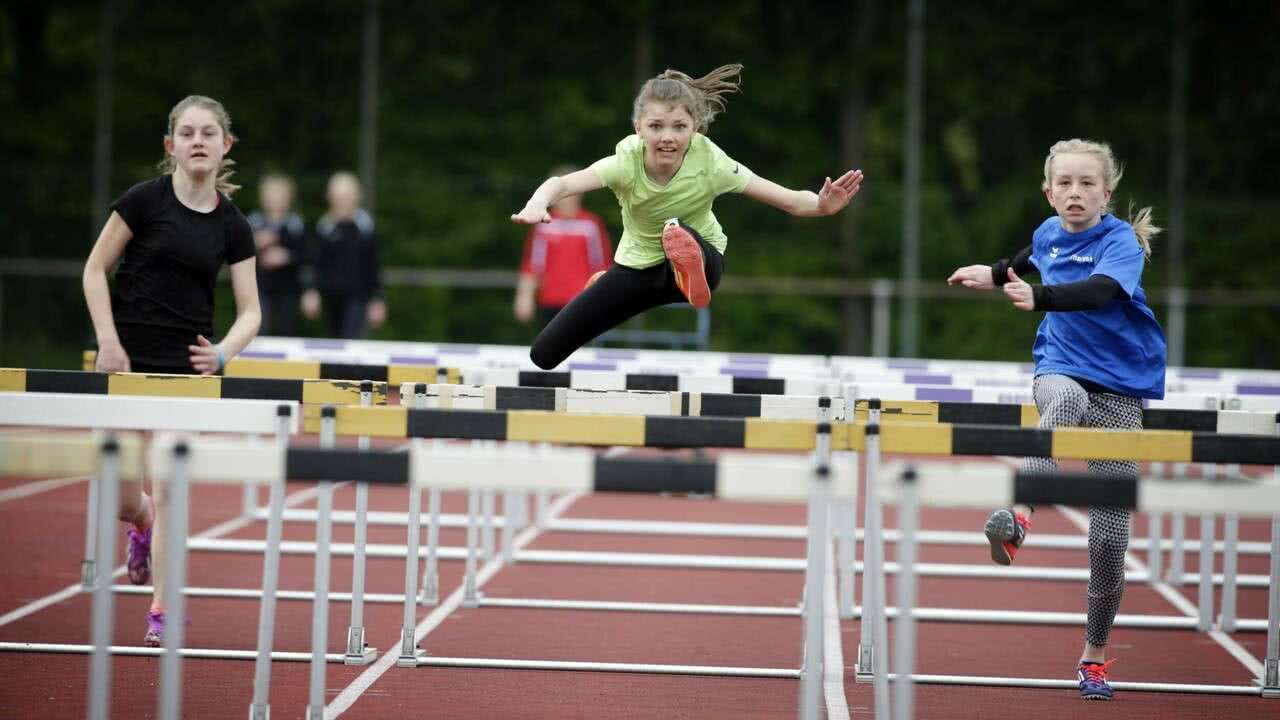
x=1098 y=352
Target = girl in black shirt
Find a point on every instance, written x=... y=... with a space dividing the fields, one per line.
x=171 y=235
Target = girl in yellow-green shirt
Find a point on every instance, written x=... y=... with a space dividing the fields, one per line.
x=665 y=177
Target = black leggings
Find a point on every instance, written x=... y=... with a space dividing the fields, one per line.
x=619 y=294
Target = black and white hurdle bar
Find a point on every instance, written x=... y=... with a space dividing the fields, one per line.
x=938 y=484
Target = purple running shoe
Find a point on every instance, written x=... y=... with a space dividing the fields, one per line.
x=155 y=630
x=138 y=556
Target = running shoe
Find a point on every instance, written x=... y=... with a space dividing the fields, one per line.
x=1006 y=530
x=155 y=630
x=138 y=555
x=685 y=255
x=1093 y=680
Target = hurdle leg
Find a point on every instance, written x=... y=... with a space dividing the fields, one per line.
x=103 y=599
x=1155 y=553
x=904 y=648
x=174 y=600
x=470 y=593
x=1230 y=540
x=871 y=581
x=508 y=524
x=540 y=511
x=1271 y=667
x=488 y=499
x=811 y=675
x=409 y=652
x=847 y=518
x=320 y=604
x=89 y=567
x=357 y=652
x=880 y=615
x=1177 y=535
x=260 y=708
x=430 y=594
x=1205 y=590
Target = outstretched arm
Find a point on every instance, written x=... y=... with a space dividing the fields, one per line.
x=552 y=190
x=831 y=199
x=986 y=277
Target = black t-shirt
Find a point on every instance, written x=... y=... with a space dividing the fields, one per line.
x=292 y=234
x=163 y=294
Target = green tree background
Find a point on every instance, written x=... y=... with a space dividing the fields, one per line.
x=477 y=101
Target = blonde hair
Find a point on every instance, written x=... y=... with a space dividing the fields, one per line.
x=702 y=97
x=167 y=165
x=1143 y=225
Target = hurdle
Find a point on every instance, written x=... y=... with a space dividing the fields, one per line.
x=1140 y=445
x=557 y=470
x=916 y=484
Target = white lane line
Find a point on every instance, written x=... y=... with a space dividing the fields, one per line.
x=71 y=591
x=832 y=650
x=345 y=699
x=1175 y=598
x=35 y=488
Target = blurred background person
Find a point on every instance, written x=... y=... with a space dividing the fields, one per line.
x=281 y=238
x=560 y=256
x=348 y=264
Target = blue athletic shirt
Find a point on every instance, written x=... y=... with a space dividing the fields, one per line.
x=1119 y=345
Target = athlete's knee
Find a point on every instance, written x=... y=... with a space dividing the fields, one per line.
x=1065 y=404
x=542 y=356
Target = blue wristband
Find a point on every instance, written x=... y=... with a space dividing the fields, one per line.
x=222 y=359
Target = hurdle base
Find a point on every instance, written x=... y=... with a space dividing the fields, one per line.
x=472 y=602
x=411 y=661
x=259 y=712
x=362 y=658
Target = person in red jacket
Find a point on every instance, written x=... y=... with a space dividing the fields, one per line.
x=560 y=257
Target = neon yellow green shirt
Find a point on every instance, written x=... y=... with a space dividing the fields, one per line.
x=706 y=173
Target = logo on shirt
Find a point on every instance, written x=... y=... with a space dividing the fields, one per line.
x=1053 y=253
x=1082 y=258
x=735 y=169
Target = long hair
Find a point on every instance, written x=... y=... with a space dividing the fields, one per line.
x=703 y=97
x=167 y=165
x=1144 y=226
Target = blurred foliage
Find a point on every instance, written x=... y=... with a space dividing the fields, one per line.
x=477 y=101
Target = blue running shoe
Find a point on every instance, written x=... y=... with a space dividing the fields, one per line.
x=138 y=556
x=1093 y=680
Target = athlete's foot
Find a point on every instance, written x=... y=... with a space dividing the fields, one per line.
x=1093 y=680
x=155 y=630
x=685 y=255
x=1006 y=530
x=138 y=555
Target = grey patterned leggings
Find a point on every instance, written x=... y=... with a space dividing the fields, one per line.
x=1063 y=403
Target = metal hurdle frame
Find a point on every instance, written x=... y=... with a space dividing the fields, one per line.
x=870 y=668
x=933 y=484
x=207 y=460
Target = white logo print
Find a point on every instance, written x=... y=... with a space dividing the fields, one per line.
x=1082 y=258
x=1053 y=253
